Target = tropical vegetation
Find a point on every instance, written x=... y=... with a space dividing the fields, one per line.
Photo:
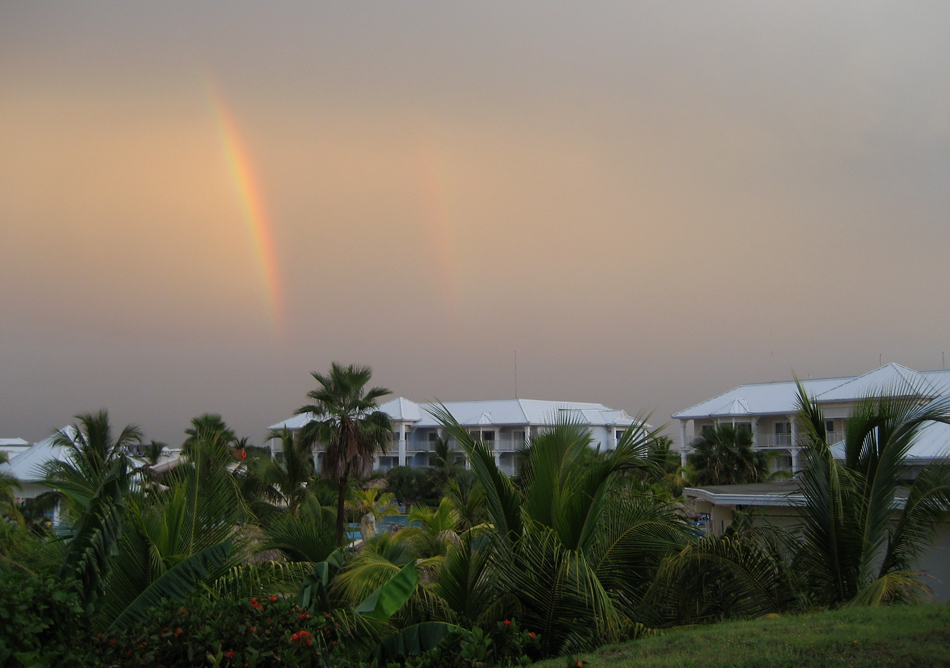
x=232 y=557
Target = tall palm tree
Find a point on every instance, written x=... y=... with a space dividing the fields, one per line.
x=347 y=422
x=863 y=526
x=93 y=453
x=8 y=483
x=217 y=441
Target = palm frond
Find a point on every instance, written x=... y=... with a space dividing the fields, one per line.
x=180 y=581
x=503 y=500
x=95 y=536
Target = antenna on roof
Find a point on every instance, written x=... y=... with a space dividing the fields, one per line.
x=879 y=358
x=516 y=373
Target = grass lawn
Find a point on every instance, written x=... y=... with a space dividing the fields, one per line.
x=913 y=635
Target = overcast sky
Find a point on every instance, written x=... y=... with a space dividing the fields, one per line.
x=201 y=203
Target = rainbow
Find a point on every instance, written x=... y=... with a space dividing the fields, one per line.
x=251 y=199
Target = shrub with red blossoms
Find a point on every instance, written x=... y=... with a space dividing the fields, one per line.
x=257 y=633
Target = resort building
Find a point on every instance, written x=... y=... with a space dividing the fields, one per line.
x=13 y=446
x=504 y=425
x=769 y=411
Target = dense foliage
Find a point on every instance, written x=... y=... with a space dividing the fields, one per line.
x=233 y=558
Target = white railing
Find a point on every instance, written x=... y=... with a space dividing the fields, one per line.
x=784 y=441
x=498 y=445
x=769 y=441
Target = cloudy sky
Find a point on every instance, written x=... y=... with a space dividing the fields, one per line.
x=201 y=203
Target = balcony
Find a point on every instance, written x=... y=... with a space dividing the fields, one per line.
x=784 y=441
x=498 y=445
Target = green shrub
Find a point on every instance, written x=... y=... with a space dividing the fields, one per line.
x=42 y=622
x=506 y=646
x=264 y=632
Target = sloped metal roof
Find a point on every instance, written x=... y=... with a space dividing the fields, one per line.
x=28 y=465
x=504 y=412
x=780 y=398
x=892 y=379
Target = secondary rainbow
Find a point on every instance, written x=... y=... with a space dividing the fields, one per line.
x=251 y=199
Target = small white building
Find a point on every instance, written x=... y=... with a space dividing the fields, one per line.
x=13 y=446
x=504 y=425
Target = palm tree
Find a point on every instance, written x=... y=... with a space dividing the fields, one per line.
x=573 y=550
x=292 y=474
x=723 y=455
x=93 y=453
x=7 y=500
x=348 y=424
x=217 y=441
x=863 y=526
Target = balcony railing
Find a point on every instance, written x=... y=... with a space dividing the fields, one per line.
x=498 y=445
x=784 y=441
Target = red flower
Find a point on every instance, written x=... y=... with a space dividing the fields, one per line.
x=303 y=616
x=532 y=635
x=507 y=622
x=272 y=599
x=112 y=642
x=230 y=653
x=302 y=636
x=250 y=629
x=178 y=632
x=243 y=454
x=255 y=604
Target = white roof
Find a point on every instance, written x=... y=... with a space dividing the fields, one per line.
x=503 y=412
x=759 y=399
x=781 y=398
x=28 y=465
x=891 y=379
x=16 y=442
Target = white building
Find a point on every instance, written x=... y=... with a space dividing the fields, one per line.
x=13 y=446
x=769 y=410
x=504 y=425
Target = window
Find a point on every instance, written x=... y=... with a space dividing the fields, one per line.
x=618 y=435
x=829 y=425
x=783 y=433
x=488 y=437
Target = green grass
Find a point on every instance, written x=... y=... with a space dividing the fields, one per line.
x=913 y=635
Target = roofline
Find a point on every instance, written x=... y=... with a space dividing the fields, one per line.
x=774 y=499
x=788 y=500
